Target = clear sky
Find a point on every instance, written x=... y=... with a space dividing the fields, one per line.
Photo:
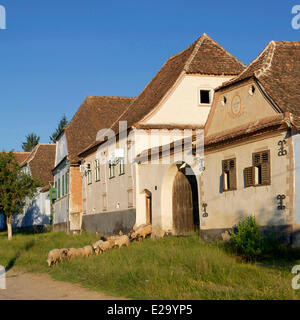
x=56 y=52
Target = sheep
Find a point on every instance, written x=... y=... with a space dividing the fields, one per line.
x=106 y=245
x=74 y=253
x=63 y=254
x=53 y=257
x=96 y=246
x=142 y=232
x=87 y=251
x=122 y=241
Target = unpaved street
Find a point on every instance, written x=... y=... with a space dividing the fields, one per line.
x=29 y=286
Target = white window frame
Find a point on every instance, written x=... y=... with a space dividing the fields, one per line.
x=211 y=96
x=97 y=170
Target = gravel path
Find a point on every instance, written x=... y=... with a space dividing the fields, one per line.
x=30 y=286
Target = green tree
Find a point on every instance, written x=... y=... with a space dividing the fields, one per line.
x=15 y=186
x=62 y=124
x=31 y=141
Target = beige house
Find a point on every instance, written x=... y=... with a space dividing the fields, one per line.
x=251 y=151
x=119 y=192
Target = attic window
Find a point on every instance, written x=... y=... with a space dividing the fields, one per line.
x=252 y=90
x=224 y=100
x=205 y=96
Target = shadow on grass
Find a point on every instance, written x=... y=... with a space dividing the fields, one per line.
x=12 y=261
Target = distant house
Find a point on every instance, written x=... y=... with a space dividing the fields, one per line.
x=80 y=133
x=117 y=194
x=37 y=211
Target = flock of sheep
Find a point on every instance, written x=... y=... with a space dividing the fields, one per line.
x=138 y=233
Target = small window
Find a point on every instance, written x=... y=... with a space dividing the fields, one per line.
x=252 y=90
x=89 y=174
x=229 y=175
x=205 y=96
x=66 y=182
x=121 y=166
x=97 y=170
x=130 y=198
x=104 y=204
x=58 y=191
x=111 y=167
x=63 y=186
x=260 y=172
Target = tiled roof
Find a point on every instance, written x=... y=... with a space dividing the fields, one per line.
x=204 y=56
x=277 y=69
x=19 y=156
x=285 y=119
x=94 y=114
x=41 y=161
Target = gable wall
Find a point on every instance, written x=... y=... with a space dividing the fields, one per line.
x=181 y=106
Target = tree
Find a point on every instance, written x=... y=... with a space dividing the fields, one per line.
x=31 y=141
x=62 y=124
x=15 y=186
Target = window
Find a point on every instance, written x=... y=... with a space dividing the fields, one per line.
x=104 y=199
x=89 y=174
x=121 y=166
x=260 y=172
x=229 y=174
x=111 y=167
x=63 y=185
x=66 y=182
x=205 y=96
x=130 y=198
x=97 y=170
x=58 y=191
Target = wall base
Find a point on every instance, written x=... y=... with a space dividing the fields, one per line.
x=110 y=223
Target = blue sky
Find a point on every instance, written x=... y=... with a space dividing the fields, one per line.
x=55 y=53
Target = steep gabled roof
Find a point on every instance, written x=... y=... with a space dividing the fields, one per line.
x=41 y=161
x=277 y=69
x=204 y=56
x=94 y=114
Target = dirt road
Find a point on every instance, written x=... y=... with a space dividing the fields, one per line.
x=29 y=286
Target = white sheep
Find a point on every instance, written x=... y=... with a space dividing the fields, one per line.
x=122 y=241
x=106 y=245
x=87 y=251
x=96 y=246
x=53 y=257
x=74 y=253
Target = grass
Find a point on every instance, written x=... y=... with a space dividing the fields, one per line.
x=169 y=268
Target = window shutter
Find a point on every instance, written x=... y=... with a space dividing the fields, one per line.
x=265 y=174
x=256 y=159
x=232 y=175
x=249 y=177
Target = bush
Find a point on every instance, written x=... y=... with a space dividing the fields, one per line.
x=247 y=239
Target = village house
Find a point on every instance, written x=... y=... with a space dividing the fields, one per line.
x=119 y=192
x=38 y=164
x=252 y=147
x=92 y=115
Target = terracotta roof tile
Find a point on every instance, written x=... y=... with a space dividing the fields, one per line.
x=19 y=156
x=277 y=69
x=41 y=161
x=204 y=56
x=94 y=114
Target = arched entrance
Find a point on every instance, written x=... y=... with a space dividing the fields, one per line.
x=180 y=205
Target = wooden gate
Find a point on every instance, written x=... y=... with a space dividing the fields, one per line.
x=183 y=219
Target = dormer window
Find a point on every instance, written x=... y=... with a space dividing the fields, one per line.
x=205 y=96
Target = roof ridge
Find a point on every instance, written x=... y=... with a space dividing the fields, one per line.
x=198 y=45
x=267 y=60
x=110 y=97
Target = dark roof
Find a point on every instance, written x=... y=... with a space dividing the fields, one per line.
x=277 y=69
x=40 y=161
x=94 y=114
x=204 y=56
